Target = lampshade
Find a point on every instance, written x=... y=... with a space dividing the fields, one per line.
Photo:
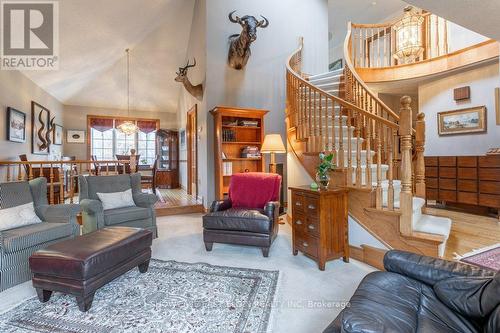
x=273 y=144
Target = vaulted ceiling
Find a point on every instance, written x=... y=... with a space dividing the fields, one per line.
x=93 y=37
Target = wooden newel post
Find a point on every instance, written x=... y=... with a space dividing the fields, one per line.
x=406 y=196
x=420 y=162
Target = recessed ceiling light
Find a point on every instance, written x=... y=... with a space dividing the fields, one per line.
x=374 y=3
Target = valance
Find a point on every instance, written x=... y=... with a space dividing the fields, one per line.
x=101 y=124
x=146 y=126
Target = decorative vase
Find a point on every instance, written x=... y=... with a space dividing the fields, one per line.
x=323 y=179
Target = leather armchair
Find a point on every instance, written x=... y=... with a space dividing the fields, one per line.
x=423 y=294
x=142 y=215
x=254 y=226
x=16 y=245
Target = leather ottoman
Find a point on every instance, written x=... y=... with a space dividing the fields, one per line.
x=81 y=265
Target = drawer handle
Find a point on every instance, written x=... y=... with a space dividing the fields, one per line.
x=304 y=244
x=299 y=222
x=298 y=203
x=311 y=226
x=311 y=207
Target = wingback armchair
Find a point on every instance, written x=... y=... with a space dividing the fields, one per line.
x=250 y=215
x=142 y=215
x=17 y=245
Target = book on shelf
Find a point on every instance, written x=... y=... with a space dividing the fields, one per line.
x=248 y=123
x=224 y=156
x=227 y=168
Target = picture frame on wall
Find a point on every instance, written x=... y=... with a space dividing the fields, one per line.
x=40 y=129
x=75 y=136
x=58 y=135
x=182 y=139
x=16 y=125
x=463 y=121
x=497 y=104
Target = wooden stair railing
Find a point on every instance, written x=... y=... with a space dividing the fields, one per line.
x=327 y=123
x=360 y=130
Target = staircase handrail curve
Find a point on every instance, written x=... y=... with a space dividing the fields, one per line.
x=350 y=66
x=339 y=100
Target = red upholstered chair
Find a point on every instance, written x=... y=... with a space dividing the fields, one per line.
x=249 y=216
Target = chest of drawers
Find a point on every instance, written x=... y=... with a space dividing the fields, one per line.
x=319 y=224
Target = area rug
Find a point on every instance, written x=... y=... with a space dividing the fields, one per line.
x=171 y=297
x=488 y=257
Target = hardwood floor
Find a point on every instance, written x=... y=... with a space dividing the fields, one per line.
x=175 y=202
x=468 y=231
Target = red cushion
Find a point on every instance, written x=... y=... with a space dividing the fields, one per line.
x=254 y=189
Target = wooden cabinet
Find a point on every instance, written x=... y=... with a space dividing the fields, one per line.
x=471 y=180
x=236 y=129
x=319 y=224
x=167 y=174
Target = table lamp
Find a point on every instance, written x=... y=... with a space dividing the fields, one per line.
x=273 y=144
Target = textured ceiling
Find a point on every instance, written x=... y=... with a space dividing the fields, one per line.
x=93 y=37
x=481 y=16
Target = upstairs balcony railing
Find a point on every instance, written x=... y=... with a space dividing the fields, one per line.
x=374 y=45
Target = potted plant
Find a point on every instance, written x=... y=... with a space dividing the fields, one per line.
x=323 y=170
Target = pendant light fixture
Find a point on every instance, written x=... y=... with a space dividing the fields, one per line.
x=128 y=127
x=409 y=36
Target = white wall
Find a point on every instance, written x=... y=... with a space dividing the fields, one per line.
x=196 y=49
x=437 y=96
x=17 y=91
x=262 y=83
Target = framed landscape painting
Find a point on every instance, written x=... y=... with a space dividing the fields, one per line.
x=464 y=121
x=16 y=125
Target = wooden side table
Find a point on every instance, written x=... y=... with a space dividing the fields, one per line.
x=319 y=224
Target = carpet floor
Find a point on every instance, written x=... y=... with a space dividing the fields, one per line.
x=306 y=300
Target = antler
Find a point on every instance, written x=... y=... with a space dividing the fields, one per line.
x=234 y=20
x=189 y=66
x=264 y=23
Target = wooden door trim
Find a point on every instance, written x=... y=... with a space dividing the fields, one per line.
x=192 y=139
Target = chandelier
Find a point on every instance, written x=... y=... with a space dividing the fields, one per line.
x=128 y=127
x=409 y=36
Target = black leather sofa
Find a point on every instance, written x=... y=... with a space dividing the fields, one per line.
x=423 y=294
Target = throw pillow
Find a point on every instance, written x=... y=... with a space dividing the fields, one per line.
x=18 y=216
x=116 y=199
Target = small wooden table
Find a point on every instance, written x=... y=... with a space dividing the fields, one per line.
x=319 y=223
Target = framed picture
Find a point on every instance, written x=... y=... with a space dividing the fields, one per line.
x=182 y=139
x=16 y=125
x=40 y=129
x=58 y=135
x=464 y=121
x=75 y=136
x=497 y=104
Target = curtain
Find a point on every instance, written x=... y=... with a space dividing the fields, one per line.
x=146 y=126
x=101 y=124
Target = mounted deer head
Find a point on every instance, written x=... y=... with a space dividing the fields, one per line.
x=239 y=45
x=196 y=91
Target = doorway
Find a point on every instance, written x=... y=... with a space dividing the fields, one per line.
x=192 y=151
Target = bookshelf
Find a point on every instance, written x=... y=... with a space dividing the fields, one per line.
x=236 y=129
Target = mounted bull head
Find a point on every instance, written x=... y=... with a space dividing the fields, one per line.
x=239 y=45
x=196 y=91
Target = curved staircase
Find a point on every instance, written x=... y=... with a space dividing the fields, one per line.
x=379 y=156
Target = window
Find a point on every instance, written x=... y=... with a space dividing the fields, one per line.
x=146 y=147
x=106 y=142
x=102 y=144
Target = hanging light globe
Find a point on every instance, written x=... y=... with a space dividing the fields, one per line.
x=128 y=127
x=409 y=36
